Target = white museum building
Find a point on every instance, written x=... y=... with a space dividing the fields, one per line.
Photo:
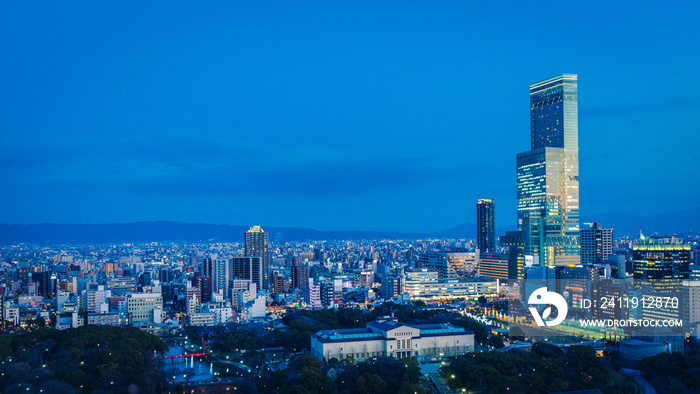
x=388 y=337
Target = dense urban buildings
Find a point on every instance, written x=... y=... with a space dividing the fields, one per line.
x=267 y=298
x=450 y=265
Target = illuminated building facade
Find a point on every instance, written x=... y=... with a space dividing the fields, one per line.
x=547 y=175
x=496 y=266
x=387 y=337
x=661 y=263
x=426 y=284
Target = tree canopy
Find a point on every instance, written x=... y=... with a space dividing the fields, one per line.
x=92 y=357
x=545 y=369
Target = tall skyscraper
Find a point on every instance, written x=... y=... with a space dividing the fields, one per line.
x=547 y=175
x=256 y=244
x=486 y=225
x=596 y=243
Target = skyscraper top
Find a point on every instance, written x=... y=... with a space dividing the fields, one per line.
x=256 y=229
x=554 y=81
x=554 y=113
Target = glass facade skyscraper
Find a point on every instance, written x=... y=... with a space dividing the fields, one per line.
x=547 y=175
x=554 y=113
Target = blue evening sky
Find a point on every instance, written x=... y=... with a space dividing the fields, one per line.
x=335 y=115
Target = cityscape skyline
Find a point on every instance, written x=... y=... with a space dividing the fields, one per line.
x=132 y=127
x=279 y=198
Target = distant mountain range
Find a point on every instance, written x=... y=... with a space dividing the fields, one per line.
x=162 y=231
x=680 y=222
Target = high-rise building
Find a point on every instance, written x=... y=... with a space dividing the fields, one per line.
x=204 y=283
x=44 y=283
x=554 y=113
x=486 y=225
x=596 y=243
x=256 y=244
x=278 y=284
x=221 y=274
x=547 y=175
x=248 y=267
x=208 y=266
x=300 y=277
x=165 y=275
x=95 y=300
x=312 y=295
x=513 y=240
x=391 y=287
x=607 y=288
x=690 y=306
x=661 y=263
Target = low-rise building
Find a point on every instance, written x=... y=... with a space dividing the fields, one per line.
x=223 y=314
x=104 y=319
x=388 y=337
x=203 y=319
x=426 y=284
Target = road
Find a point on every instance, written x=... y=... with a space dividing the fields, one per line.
x=645 y=385
x=439 y=384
